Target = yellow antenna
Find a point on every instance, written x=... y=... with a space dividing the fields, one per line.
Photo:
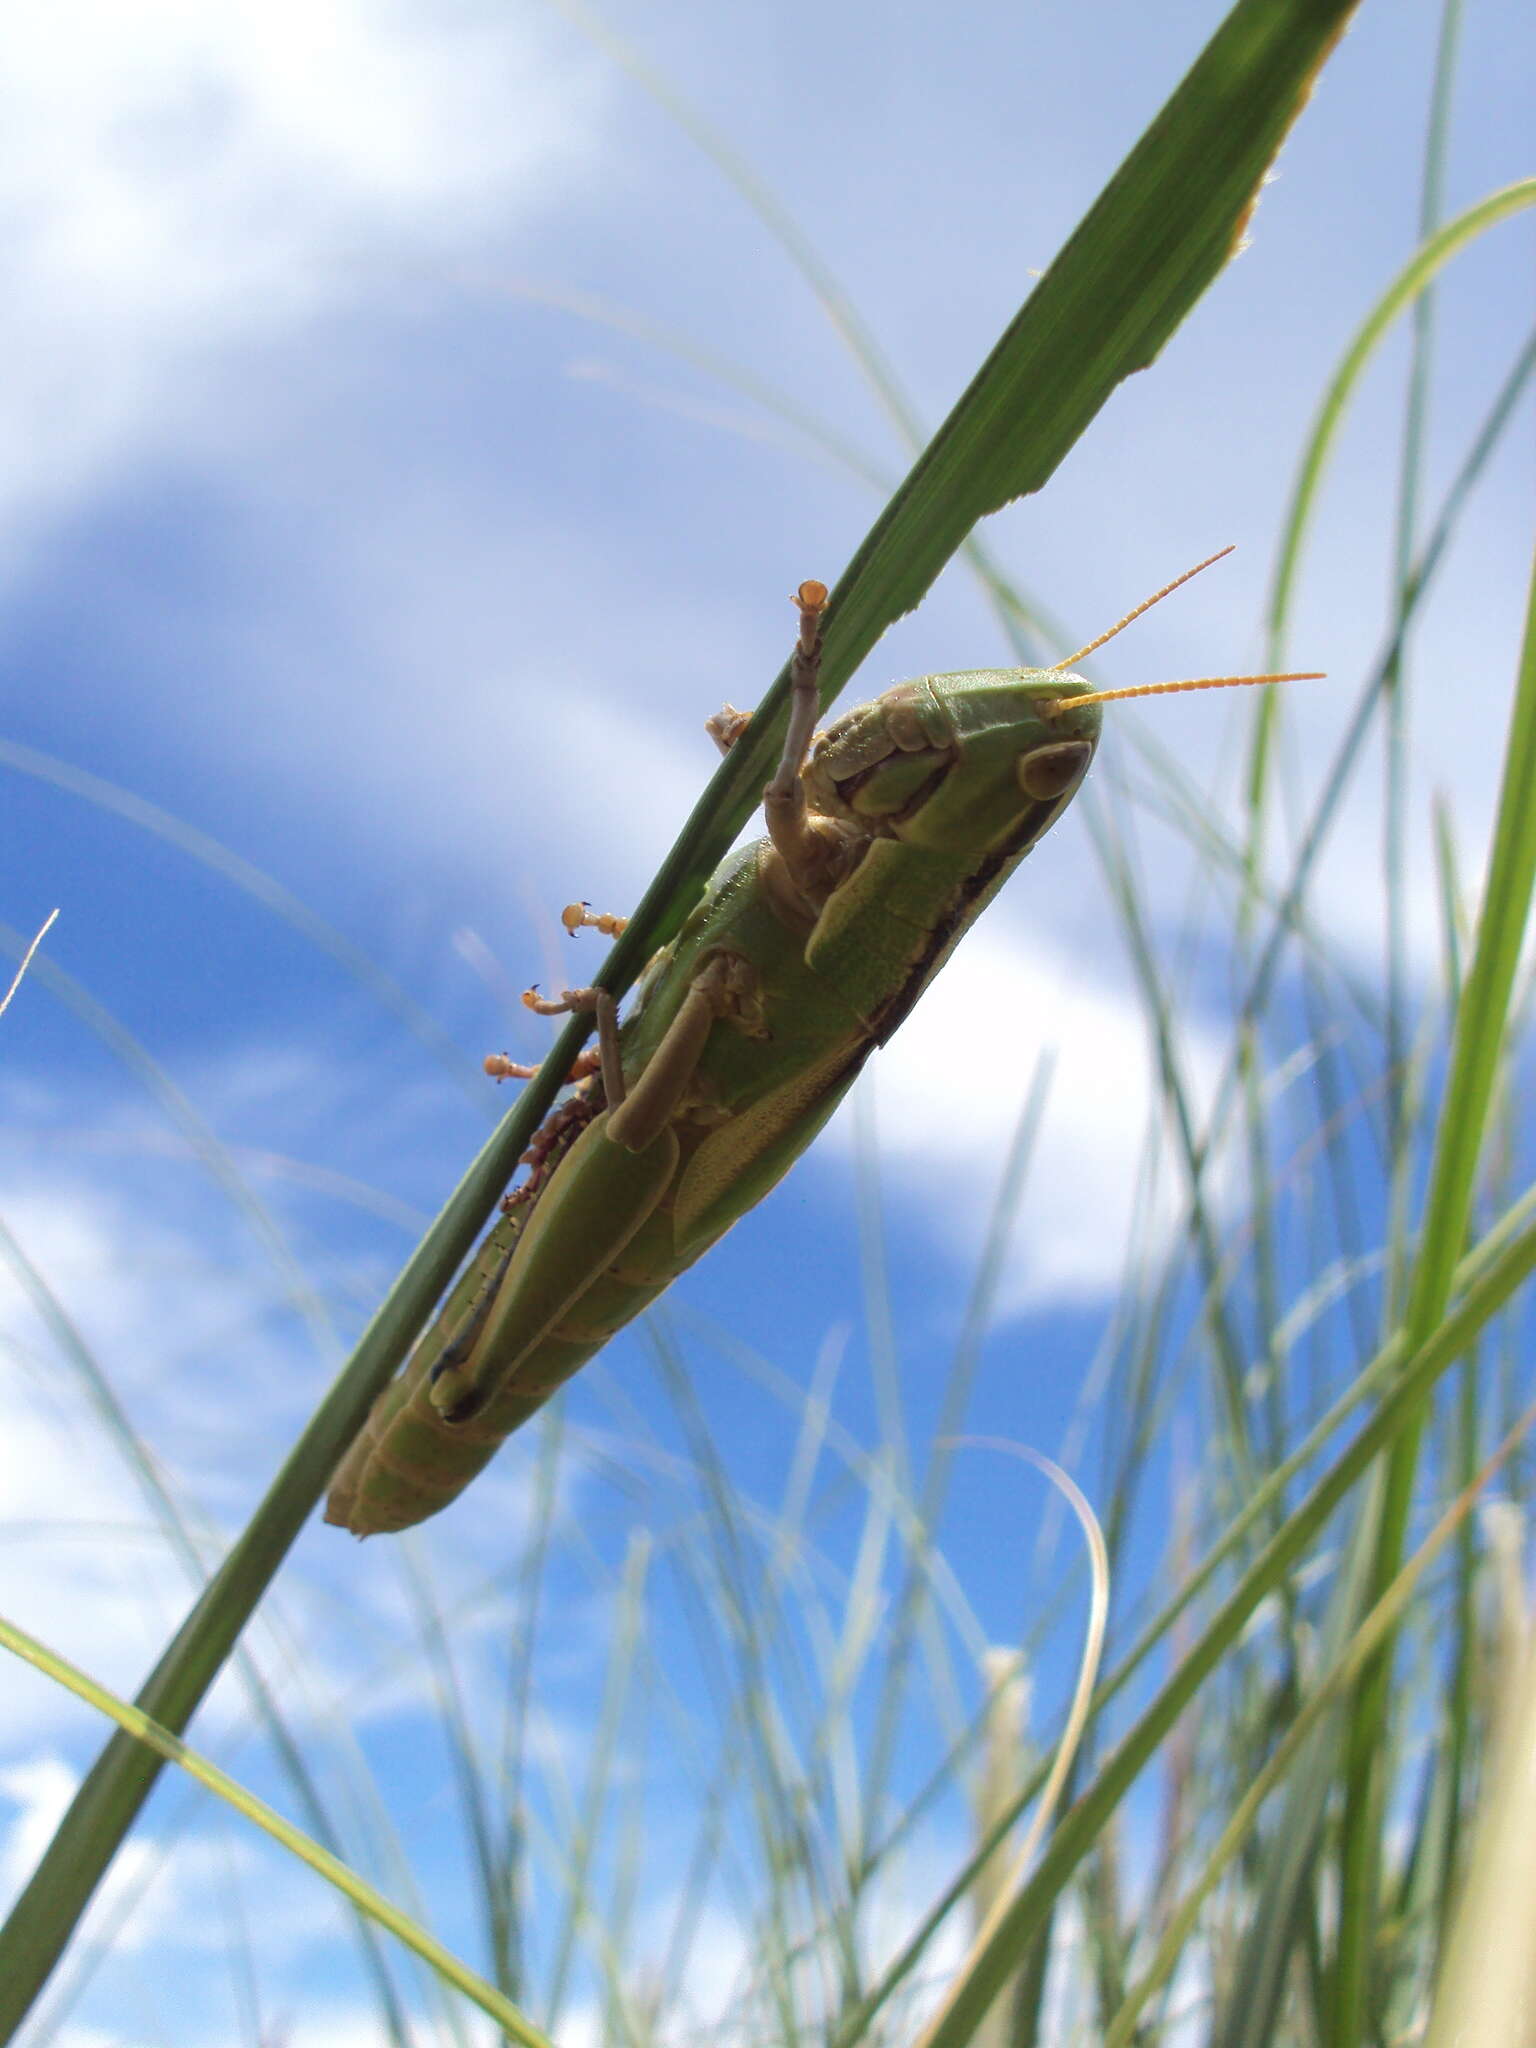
x=1145 y=606
x=1306 y=675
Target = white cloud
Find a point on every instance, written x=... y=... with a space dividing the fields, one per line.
x=39 y=1788
x=177 y=181
x=943 y=1131
x=176 y=1302
x=329 y=2024
x=89 y=1568
x=182 y=1903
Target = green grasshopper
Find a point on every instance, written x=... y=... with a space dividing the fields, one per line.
x=888 y=834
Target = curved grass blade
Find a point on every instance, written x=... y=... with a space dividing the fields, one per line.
x=1415 y=277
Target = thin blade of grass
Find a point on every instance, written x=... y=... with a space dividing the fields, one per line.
x=138 y=1727
x=26 y=961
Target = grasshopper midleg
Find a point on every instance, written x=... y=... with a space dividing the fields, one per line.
x=620 y=1167
x=887 y=836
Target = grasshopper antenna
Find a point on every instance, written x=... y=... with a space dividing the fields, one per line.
x=1145 y=606
x=1305 y=675
x=1310 y=675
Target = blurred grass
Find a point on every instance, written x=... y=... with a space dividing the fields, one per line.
x=828 y=1625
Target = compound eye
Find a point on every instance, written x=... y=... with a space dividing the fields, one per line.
x=1045 y=772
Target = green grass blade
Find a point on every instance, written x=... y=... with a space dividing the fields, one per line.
x=138 y=1727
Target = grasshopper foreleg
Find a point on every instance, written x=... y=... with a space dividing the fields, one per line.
x=809 y=846
x=805 y=702
x=813 y=848
x=725 y=986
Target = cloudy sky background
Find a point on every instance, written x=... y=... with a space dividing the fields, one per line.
x=355 y=511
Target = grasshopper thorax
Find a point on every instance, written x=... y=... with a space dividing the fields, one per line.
x=957 y=760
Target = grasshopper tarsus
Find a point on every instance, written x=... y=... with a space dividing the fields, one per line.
x=607 y=1011
x=500 y=1068
x=577 y=916
x=811 y=601
x=726 y=726
x=805 y=699
x=568 y=1000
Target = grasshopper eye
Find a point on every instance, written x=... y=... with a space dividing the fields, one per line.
x=1045 y=772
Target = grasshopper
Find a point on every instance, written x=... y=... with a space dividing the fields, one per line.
x=888 y=834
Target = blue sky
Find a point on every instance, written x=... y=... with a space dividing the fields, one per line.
x=332 y=526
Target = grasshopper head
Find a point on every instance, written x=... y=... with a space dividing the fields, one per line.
x=980 y=765
x=959 y=762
